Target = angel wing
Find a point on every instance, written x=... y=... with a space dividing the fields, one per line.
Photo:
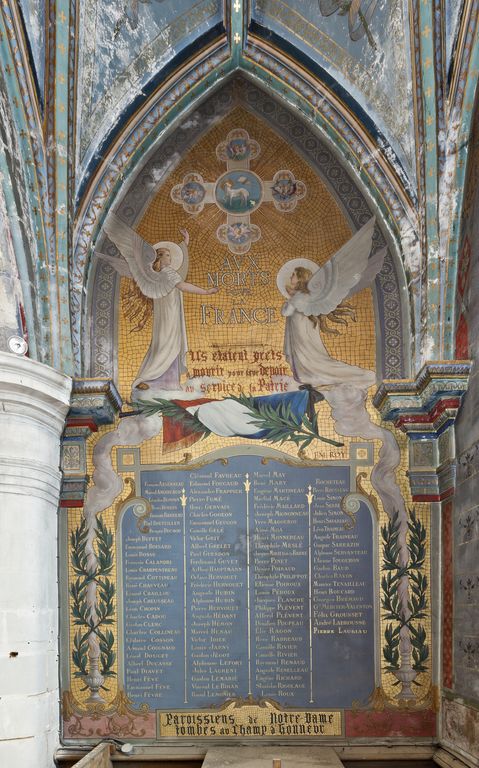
x=375 y=265
x=140 y=256
x=119 y=264
x=333 y=282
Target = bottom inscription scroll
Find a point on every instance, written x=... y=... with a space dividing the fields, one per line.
x=250 y=720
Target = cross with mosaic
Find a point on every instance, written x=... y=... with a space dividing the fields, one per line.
x=239 y=191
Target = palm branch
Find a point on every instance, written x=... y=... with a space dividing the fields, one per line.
x=282 y=424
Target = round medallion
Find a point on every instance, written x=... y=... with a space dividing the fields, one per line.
x=238 y=149
x=238 y=233
x=192 y=193
x=239 y=192
x=17 y=345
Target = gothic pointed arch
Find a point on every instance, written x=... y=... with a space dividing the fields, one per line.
x=393 y=319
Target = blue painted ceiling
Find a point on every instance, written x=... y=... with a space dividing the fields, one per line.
x=123 y=45
x=33 y=17
x=125 y=48
x=367 y=52
x=452 y=12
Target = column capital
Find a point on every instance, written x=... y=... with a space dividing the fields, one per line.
x=34 y=391
x=425 y=404
x=94 y=402
x=34 y=402
x=425 y=408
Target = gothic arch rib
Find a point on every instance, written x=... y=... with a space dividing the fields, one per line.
x=26 y=189
x=462 y=111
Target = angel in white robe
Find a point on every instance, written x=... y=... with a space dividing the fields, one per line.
x=318 y=295
x=159 y=271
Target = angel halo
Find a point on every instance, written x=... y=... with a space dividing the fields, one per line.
x=284 y=273
x=175 y=252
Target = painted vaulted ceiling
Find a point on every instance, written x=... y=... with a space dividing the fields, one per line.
x=367 y=54
x=452 y=11
x=124 y=46
x=364 y=55
x=360 y=48
x=91 y=88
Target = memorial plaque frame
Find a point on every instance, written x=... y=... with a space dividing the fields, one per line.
x=233 y=369
x=361 y=457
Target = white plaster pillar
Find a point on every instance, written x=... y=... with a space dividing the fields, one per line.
x=34 y=401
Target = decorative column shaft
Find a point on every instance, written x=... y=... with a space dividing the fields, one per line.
x=94 y=402
x=34 y=401
x=425 y=409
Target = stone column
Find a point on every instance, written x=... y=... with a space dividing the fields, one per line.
x=34 y=400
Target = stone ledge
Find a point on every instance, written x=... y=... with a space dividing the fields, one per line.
x=41 y=379
x=446 y=758
x=192 y=757
x=37 y=479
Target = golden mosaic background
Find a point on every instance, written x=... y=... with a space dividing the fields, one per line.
x=315 y=230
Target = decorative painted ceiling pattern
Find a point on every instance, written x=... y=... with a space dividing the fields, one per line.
x=364 y=47
x=122 y=47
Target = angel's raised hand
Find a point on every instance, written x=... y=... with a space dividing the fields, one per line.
x=186 y=235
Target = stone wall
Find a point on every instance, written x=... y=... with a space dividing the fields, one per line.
x=460 y=720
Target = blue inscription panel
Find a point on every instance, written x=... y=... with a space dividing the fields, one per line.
x=251 y=580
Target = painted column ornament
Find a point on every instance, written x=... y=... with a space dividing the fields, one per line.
x=94 y=402
x=425 y=409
